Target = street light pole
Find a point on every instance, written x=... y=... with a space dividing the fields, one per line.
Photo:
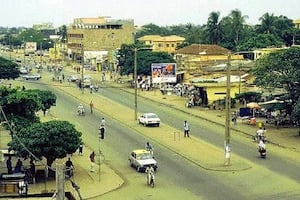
x=227 y=118
x=82 y=64
x=135 y=83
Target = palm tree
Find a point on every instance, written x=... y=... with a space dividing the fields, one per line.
x=213 y=28
x=267 y=24
x=63 y=33
x=237 y=24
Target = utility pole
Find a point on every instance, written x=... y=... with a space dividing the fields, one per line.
x=60 y=182
x=227 y=119
x=135 y=83
x=82 y=67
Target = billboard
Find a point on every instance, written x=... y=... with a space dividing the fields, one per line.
x=163 y=72
x=30 y=46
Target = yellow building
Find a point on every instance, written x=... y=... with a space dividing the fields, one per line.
x=193 y=58
x=297 y=23
x=217 y=91
x=261 y=52
x=162 y=43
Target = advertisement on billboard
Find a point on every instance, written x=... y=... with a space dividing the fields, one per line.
x=163 y=72
x=30 y=46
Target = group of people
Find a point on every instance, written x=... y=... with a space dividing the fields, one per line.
x=18 y=167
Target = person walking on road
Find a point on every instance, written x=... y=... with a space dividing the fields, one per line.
x=102 y=128
x=91 y=107
x=186 y=128
x=80 y=149
x=92 y=159
x=69 y=167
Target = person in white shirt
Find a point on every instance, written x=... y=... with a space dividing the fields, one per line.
x=186 y=128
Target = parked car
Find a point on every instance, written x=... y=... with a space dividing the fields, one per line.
x=31 y=76
x=89 y=67
x=141 y=159
x=73 y=78
x=149 y=119
x=23 y=70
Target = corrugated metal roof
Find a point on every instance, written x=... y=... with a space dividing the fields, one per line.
x=207 y=49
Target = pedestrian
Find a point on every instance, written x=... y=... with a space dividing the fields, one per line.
x=102 y=128
x=32 y=171
x=234 y=118
x=80 y=149
x=9 y=165
x=19 y=166
x=69 y=167
x=91 y=106
x=92 y=159
x=186 y=128
x=91 y=88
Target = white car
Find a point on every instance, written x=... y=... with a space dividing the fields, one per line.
x=23 y=70
x=141 y=159
x=149 y=119
x=31 y=77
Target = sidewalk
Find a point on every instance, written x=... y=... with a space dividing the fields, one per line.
x=92 y=184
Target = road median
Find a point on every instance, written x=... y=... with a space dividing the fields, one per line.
x=197 y=151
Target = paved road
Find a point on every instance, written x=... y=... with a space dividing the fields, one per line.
x=209 y=132
x=178 y=173
x=199 y=183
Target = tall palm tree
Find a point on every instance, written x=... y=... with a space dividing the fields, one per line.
x=213 y=28
x=63 y=33
x=267 y=23
x=237 y=24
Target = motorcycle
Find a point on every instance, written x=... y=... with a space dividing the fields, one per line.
x=150 y=176
x=81 y=111
x=257 y=138
x=262 y=152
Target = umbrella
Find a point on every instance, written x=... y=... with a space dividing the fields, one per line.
x=274 y=101
x=253 y=105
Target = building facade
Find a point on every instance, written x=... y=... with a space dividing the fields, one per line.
x=162 y=43
x=100 y=34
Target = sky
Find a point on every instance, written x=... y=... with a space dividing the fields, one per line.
x=15 y=13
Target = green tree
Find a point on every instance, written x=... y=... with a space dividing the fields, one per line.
x=8 y=69
x=259 y=41
x=21 y=106
x=145 y=58
x=213 y=28
x=63 y=34
x=280 y=69
x=52 y=140
x=233 y=27
x=267 y=24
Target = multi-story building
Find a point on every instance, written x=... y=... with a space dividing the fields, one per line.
x=162 y=43
x=100 y=34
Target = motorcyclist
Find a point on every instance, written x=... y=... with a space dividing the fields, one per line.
x=262 y=148
x=261 y=145
x=150 y=176
x=259 y=134
x=80 y=109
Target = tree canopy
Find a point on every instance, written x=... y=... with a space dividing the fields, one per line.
x=280 y=69
x=8 y=69
x=21 y=106
x=145 y=57
x=52 y=140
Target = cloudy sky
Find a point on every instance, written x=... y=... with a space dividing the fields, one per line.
x=15 y=13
